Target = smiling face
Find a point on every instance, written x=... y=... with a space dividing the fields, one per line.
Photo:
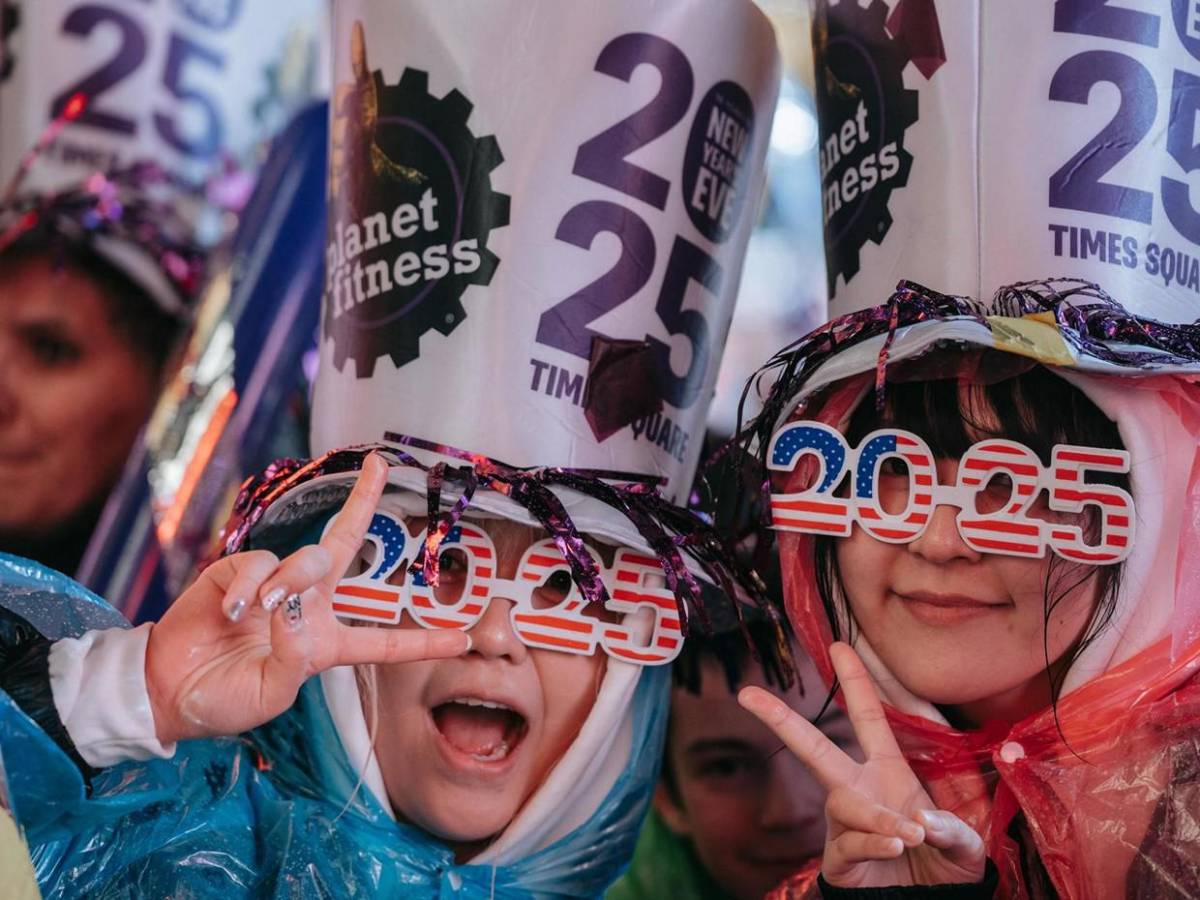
x=464 y=742
x=980 y=634
x=73 y=394
x=961 y=628
x=753 y=815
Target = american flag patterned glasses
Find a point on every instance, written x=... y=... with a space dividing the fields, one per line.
x=548 y=611
x=988 y=523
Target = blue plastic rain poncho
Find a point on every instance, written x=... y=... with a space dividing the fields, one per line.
x=275 y=813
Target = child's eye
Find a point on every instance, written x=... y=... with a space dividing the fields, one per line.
x=50 y=349
x=452 y=576
x=995 y=494
x=731 y=772
x=893 y=486
x=452 y=562
x=553 y=590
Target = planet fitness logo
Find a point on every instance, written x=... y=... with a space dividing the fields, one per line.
x=412 y=208
x=864 y=111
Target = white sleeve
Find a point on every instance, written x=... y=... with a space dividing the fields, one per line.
x=99 y=687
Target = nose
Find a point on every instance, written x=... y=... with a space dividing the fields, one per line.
x=940 y=542
x=492 y=637
x=793 y=797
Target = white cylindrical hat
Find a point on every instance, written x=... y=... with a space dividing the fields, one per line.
x=969 y=145
x=538 y=216
x=183 y=83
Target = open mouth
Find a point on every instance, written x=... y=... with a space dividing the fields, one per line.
x=484 y=730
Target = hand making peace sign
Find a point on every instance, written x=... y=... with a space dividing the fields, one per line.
x=883 y=828
x=232 y=652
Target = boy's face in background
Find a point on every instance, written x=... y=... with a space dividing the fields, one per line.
x=753 y=815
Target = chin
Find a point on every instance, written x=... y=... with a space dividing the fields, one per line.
x=943 y=688
x=465 y=823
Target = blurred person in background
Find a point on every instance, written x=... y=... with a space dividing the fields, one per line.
x=95 y=285
x=732 y=816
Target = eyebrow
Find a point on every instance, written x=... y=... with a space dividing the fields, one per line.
x=45 y=322
x=715 y=745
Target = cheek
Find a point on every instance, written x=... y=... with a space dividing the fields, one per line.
x=722 y=818
x=865 y=565
x=569 y=684
x=397 y=694
x=1033 y=584
x=99 y=405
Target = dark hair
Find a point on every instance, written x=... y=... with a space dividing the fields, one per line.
x=734 y=651
x=148 y=330
x=1036 y=408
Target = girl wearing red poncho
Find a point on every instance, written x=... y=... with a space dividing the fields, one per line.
x=1031 y=720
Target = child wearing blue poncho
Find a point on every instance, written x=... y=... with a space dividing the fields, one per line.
x=419 y=763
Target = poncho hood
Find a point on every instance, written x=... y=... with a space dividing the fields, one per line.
x=1090 y=775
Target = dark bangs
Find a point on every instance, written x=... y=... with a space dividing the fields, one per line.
x=1035 y=408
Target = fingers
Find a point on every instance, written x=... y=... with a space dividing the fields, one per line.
x=848 y=810
x=854 y=847
x=300 y=571
x=290 y=661
x=345 y=535
x=245 y=573
x=360 y=646
x=824 y=758
x=862 y=704
x=954 y=837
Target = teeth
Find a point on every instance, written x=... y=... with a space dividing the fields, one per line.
x=475 y=701
x=497 y=752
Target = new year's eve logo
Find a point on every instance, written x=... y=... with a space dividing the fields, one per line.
x=864 y=111
x=411 y=209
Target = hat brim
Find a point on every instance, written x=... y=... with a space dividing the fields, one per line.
x=324 y=495
x=1036 y=340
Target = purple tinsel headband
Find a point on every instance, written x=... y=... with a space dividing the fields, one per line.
x=1087 y=318
x=668 y=530
x=135 y=207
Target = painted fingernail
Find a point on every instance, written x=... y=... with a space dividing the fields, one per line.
x=292 y=612
x=931 y=820
x=273 y=598
x=911 y=832
x=236 y=609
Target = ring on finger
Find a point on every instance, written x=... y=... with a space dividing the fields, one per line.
x=293 y=610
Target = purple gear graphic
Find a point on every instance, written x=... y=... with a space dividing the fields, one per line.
x=866 y=51
x=404 y=110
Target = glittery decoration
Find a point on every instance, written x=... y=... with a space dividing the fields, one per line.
x=914 y=25
x=669 y=530
x=138 y=205
x=1095 y=324
x=622 y=385
x=123 y=205
x=1088 y=319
